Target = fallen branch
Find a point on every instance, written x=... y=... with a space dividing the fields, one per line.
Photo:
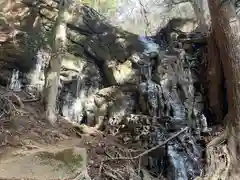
x=13 y=98
x=144 y=153
x=84 y=128
x=83 y=174
x=166 y=118
x=30 y=100
x=194 y=40
x=8 y=102
x=218 y=140
x=113 y=173
x=150 y=150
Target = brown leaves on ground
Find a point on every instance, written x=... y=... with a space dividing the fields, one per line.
x=23 y=127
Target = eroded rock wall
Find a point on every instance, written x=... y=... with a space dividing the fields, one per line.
x=107 y=74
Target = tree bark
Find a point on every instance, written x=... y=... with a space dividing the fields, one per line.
x=225 y=20
x=215 y=80
x=52 y=71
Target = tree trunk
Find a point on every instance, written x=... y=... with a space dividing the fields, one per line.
x=225 y=20
x=215 y=79
x=52 y=71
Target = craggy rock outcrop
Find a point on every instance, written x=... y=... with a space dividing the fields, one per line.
x=89 y=35
x=98 y=53
x=119 y=78
x=169 y=102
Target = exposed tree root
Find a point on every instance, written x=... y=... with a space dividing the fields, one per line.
x=218 y=140
x=85 y=129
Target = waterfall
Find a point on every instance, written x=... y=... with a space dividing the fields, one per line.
x=71 y=100
x=178 y=169
x=15 y=82
x=146 y=70
x=149 y=46
x=66 y=104
x=183 y=153
x=77 y=93
x=36 y=76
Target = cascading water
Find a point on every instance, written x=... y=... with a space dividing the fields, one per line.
x=36 y=75
x=75 y=94
x=65 y=104
x=15 y=82
x=183 y=154
x=70 y=100
x=33 y=81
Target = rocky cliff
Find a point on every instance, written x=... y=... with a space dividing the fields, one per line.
x=114 y=77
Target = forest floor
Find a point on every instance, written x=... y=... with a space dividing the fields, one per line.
x=31 y=148
x=25 y=136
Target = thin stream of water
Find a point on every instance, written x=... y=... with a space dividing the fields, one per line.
x=15 y=82
x=183 y=156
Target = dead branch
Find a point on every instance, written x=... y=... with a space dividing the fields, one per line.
x=84 y=128
x=111 y=173
x=14 y=98
x=9 y=100
x=202 y=40
x=218 y=140
x=83 y=174
x=164 y=118
x=31 y=100
x=150 y=150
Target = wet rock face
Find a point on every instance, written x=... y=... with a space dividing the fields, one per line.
x=181 y=99
x=119 y=111
x=184 y=158
x=81 y=95
x=77 y=90
x=166 y=88
x=151 y=93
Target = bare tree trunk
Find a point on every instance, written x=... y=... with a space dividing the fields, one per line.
x=215 y=80
x=221 y=40
x=52 y=71
x=224 y=18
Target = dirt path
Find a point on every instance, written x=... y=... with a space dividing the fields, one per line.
x=30 y=148
x=61 y=161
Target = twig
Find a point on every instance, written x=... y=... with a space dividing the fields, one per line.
x=166 y=118
x=84 y=128
x=100 y=170
x=152 y=149
x=139 y=165
x=28 y=94
x=114 y=171
x=111 y=175
x=83 y=175
x=218 y=140
x=30 y=100
x=2 y=115
x=13 y=98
